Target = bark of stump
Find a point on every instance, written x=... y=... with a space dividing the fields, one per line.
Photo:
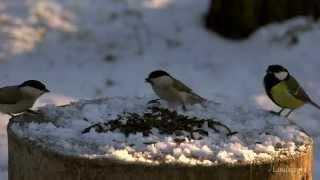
x=31 y=161
x=239 y=18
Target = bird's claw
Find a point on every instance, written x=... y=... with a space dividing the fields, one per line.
x=12 y=115
x=275 y=113
x=154 y=101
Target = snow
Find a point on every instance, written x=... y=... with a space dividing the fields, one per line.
x=64 y=126
x=87 y=49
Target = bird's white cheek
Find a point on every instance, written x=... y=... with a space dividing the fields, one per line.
x=281 y=75
x=162 y=81
x=31 y=91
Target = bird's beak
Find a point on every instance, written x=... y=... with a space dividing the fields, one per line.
x=147 y=80
x=46 y=91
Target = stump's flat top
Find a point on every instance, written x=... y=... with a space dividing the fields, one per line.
x=114 y=128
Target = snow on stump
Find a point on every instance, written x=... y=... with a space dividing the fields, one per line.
x=127 y=138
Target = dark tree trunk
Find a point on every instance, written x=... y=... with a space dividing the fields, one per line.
x=239 y=18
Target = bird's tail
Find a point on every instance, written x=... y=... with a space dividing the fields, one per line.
x=315 y=105
x=198 y=99
x=194 y=98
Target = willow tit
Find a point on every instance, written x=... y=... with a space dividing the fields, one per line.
x=19 y=98
x=172 y=90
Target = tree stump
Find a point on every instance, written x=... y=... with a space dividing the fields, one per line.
x=41 y=147
x=239 y=18
x=32 y=159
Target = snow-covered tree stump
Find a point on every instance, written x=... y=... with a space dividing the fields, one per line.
x=96 y=140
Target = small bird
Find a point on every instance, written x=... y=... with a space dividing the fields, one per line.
x=172 y=90
x=284 y=90
x=19 y=98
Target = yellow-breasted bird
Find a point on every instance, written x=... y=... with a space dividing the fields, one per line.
x=284 y=90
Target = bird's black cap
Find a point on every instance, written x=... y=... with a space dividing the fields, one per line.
x=156 y=74
x=276 y=68
x=35 y=84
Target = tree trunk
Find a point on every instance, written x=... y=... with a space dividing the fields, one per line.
x=28 y=160
x=239 y=18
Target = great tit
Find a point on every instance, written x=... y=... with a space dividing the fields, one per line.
x=284 y=90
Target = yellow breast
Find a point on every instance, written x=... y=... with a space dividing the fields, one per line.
x=281 y=95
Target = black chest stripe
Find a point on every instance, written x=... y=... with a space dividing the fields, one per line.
x=269 y=82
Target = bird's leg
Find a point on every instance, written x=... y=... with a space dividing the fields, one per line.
x=184 y=108
x=32 y=112
x=289 y=113
x=279 y=113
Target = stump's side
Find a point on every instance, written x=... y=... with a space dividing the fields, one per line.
x=28 y=161
x=239 y=18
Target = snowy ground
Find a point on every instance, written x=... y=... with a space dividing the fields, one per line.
x=85 y=49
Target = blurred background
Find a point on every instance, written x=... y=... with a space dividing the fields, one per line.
x=88 y=49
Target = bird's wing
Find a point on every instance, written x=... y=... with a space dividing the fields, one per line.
x=296 y=90
x=182 y=87
x=10 y=95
